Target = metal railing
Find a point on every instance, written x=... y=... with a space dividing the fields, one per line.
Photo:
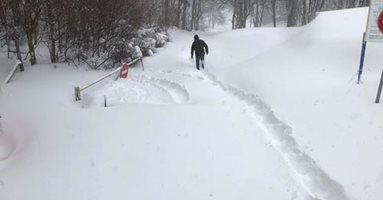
x=78 y=90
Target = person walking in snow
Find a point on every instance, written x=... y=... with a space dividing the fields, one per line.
x=199 y=47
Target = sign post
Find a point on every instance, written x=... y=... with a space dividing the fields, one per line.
x=362 y=55
x=373 y=30
x=379 y=89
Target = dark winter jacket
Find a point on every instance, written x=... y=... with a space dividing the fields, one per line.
x=199 y=46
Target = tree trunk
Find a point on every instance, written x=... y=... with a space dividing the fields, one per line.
x=184 y=16
x=31 y=48
x=198 y=14
x=292 y=12
x=304 y=12
x=193 y=15
x=15 y=35
x=179 y=10
x=18 y=52
x=274 y=2
x=30 y=20
x=52 y=39
x=233 y=24
x=166 y=13
x=256 y=15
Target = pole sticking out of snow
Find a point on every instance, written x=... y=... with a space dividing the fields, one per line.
x=142 y=65
x=379 y=89
x=362 y=55
x=77 y=93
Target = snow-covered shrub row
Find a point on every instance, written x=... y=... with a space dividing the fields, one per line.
x=149 y=39
x=120 y=49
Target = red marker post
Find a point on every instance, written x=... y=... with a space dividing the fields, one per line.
x=124 y=70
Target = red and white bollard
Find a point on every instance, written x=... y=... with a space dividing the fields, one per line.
x=124 y=70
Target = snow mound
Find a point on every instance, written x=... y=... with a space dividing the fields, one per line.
x=140 y=89
x=345 y=24
x=317 y=112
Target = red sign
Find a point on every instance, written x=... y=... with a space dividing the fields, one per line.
x=124 y=70
x=380 y=22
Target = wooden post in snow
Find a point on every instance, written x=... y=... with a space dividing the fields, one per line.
x=77 y=93
x=142 y=64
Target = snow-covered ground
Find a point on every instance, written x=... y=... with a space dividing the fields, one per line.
x=309 y=82
x=276 y=115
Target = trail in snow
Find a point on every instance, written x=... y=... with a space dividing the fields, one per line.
x=315 y=183
x=310 y=176
x=312 y=179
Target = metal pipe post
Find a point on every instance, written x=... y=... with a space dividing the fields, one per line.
x=379 y=89
x=362 y=55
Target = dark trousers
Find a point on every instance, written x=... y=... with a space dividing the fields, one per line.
x=198 y=59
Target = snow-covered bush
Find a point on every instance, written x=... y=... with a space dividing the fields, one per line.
x=108 y=53
x=150 y=39
x=137 y=52
x=161 y=39
x=150 y=52
x=146 y=45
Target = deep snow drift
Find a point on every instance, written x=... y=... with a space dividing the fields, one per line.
x=277 y=115
x=309 y=82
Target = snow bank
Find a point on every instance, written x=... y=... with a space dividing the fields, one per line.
x=307 y=76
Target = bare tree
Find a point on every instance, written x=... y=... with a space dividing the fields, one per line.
x=310 y=8
x=14 y=26
x=196 y=14
x=258 y=12
x=274 y=11
x=292 y=12
x=31 y=10
x=4 y=25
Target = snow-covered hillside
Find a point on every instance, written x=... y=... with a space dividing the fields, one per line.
x=309 y=81
x=277 y=115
